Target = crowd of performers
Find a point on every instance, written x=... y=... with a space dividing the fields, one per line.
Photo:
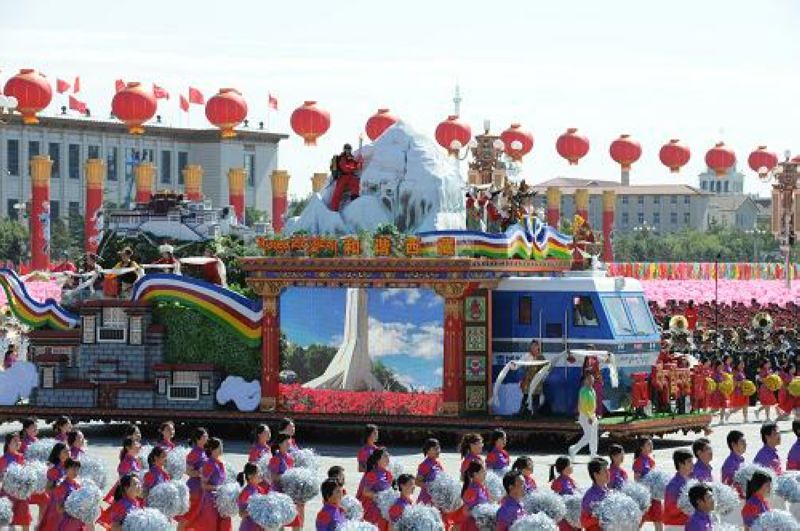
x=513 y=479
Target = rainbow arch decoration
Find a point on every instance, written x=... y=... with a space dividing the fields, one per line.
x=47 y=314
x=528 y=240
x=226 y=307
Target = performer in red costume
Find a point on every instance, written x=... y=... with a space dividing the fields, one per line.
x=344 y=173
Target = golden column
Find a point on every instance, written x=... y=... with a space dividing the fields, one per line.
x=145 y=174
x=193 y=182
x=236 y=178
x=280 y=186
x=609 y=206
x=41 y=166
x=553 y=206
x=95 y=182
x=318 y=182
x=582 y=203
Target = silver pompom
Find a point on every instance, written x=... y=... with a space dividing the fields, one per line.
x=169 y=497
x=23 y=480
x=534 y=522
x=384 y=501
x=547 y=502
x=639 y=493
x=794 y=508
x=355 y=525
x=787 y=486
x=573 y=503
x=726 y=499
x=39 y=450
x=145 y=520
x=618 y=511
x=743 y=475
x=301 y=484
x=94 y=469
x=306 y=458
x=494 y=484
x=656 y=481
x=263 y=466
x=353 y=510
x=445 y=491
x=227 y=499
x=176 y=462
x=84 y=503
x=6 y=512
x=485 y=515
x=271 y=511
x=396 y=467
x=683 y=498
x=144 y=451
x=230 y=474
x=775 y=521
x=420 y=518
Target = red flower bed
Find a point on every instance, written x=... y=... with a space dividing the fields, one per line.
x=298 y=399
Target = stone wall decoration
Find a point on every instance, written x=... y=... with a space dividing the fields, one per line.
x=476 y=339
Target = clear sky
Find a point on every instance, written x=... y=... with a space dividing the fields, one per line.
x=695 y=70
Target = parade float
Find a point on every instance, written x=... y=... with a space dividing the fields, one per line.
x=405 y=219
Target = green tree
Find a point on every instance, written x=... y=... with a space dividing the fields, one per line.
x=252 y=215
x=14 y=239
x=63 y=241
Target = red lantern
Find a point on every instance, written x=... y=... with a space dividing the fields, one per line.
x=453 y=134
x=225 y=110
x=674 y=155
x=310 y=122
x=517 y=142
x=720 y=158
x=761 y=158
x=133 y=106
x=379 y=122
x=572 y=146
x=625 y=151
x=33 y=93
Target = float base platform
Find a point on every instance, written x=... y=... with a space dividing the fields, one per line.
x=399 y=427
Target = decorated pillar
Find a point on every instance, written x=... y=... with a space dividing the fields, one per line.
x=280 y=185
x=236 y=177
x=318 y=182
x=609 y=206
x=553 y=206
x=193 y=182
x=582 y=203
x=453 y=392
x=41 y=166
x=95 y=181
x=270 y=345
x=145 y=174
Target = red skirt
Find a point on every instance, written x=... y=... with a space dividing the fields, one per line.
x=209 y=518
x=785 y=401
x=766 y=397
x=69 y=523
x=718 y=400
x=298 y=520
x=51 y=517
x=738 y=400
x=654 y=513
x=20 y=511
x=190 y=519
x=373 y=515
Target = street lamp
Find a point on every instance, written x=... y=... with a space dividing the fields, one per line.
x=456 y=146
x=784 y=177
x=756 y=233
x=7 y=106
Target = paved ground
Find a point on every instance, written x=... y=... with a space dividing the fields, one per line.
x=104 y=441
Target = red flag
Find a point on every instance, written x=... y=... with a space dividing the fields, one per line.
x=62 y=86
x=76 y=87
x=195 y=96
x=273 y=102
x=119 y=85
x=160 y=93
x=184 y=104
x=77 y=105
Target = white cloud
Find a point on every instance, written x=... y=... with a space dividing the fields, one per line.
x=416 y=341
x=439 y=371
x=401 y=296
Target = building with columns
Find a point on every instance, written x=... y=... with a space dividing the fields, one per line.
x=71 y=141
x=662 y=207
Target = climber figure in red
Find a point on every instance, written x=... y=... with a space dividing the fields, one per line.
x=343 y=169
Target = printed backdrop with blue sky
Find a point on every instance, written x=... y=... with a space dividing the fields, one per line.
x=405 y=327
x=698 y=70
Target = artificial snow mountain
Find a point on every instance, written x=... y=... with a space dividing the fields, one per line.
x=406 y=181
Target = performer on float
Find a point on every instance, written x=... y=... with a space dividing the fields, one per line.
x=598 y=472
x=11 y=356
x=65 y=265
x=535 y=355
x=20 y=509
x=251 y=482
x=344 y=169
x=127 y=279
x=587 y=417
x=583 y=237
x=213 y=271
x=511 y=508
x=473 y=213
x=167 y=258
x=473 y=493
x=524 y=465
x=494 y=217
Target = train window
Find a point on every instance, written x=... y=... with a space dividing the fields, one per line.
x=583 y=312
x=615 y=310
x=640 y=315
x=524 y=310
